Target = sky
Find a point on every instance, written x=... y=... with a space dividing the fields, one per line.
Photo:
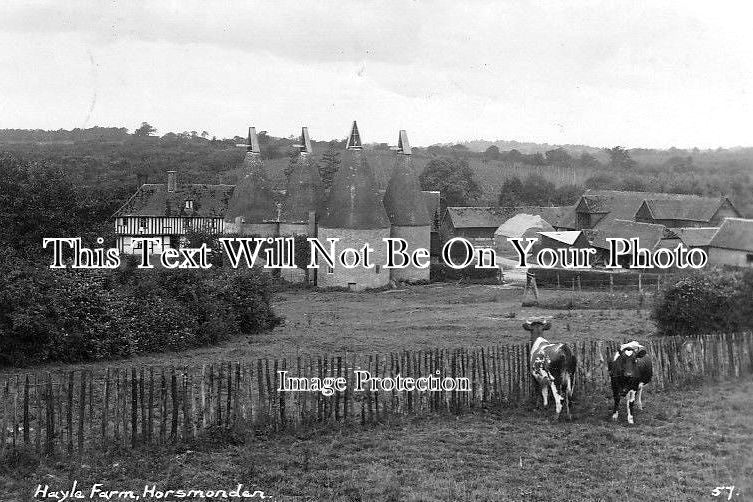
x=644 y=73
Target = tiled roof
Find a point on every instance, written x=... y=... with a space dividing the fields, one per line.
x=648 y=234
x=622 y=205
x=735 y=233
x=696 y=209
x=305 y=191
x=695 y=237
x=353 y=200
x=153 y=199
x=252 y=200
x=403 y=200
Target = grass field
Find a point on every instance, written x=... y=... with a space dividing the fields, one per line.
x=683 y=445
x=418 y=317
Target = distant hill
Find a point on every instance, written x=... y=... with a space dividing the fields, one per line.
x=481 y=145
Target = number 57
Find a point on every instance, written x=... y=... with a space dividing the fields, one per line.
x=719 y=490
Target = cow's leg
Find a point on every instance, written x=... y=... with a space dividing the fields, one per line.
x=640 y=394
x=545 y=394
x=556 y=396
x=629 y=406
x=566 y=395
x=615 y=408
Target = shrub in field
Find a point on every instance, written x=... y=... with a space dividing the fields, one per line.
x=704 y=302
x=69 y=315
x=52 y=315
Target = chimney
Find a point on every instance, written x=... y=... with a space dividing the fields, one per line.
x=172 y=180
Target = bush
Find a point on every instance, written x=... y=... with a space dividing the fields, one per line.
x=72 y=315
x=705 y=302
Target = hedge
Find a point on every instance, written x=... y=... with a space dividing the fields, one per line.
x=710 y=301
x=71 y=315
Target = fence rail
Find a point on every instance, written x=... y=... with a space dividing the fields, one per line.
x=72 y=411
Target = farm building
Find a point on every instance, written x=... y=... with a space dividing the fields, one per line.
x=732 y=244
x=407 y=210
x=252 y=209
x=649 y=236
x=686 y=212
x=519 y=226
x=482 y=222
x=690 y=237
x=355 y=215
x=353 y=210
x=168 y=212
x=598 y=209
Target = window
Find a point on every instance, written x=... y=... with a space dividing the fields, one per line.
x=749 y=258
x=330 y=270
x=142 y=222
x=189 y=204
x=186 y=223
x=119 y=222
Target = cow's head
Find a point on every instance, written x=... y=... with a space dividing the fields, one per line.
x=627 y=357
x=537 y=327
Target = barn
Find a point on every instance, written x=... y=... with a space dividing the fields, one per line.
x=688 y=211
x=598 y=209
x=649 y=236
x=732 y=244
x=690 y=237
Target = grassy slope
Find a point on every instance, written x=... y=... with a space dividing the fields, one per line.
x=419 y=317
x=683 y=445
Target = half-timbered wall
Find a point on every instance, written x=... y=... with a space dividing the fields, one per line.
x=150 y=225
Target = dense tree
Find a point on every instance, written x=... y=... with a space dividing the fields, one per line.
x=633 y=184
x=567 y=195
x=619 y=159
x=601 y=181
x=38 y=200
x=513 y=156
x=559 y=157
x=144 y=130
x=492 y=153
x=454 y=180
x=588 y=161
x=537 y=191
x=510 y=193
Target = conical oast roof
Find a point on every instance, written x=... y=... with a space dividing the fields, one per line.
x=403 y=200
x=252 y=198
x=305 y=191
x=353 y=201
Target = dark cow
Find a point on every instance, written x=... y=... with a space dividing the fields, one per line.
x=552 y=366
x=629 y=369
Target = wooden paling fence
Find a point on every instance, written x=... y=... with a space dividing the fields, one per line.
x=71 y=411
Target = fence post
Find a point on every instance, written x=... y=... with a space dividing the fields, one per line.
x=82 y=412
x=26 y=410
